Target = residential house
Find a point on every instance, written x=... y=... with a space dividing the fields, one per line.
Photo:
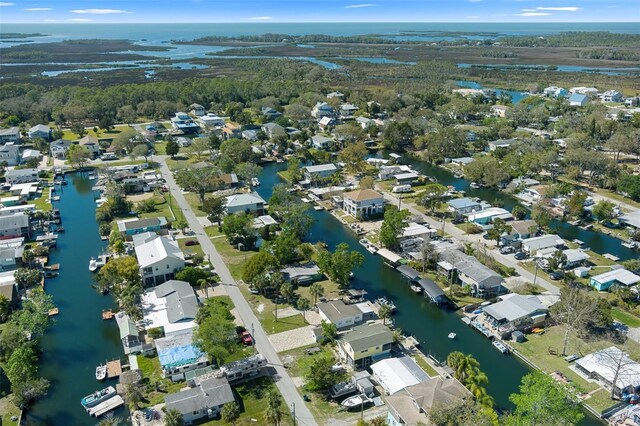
x=619 y=276
x=134 y=226
x=365 y=344
x=487 y=216
x=39 y=131
x=338 y=313
x=159 y=259
x=9 y=291
x=244 y=368
x=407 y=178
x=412 y=405
x=177 y=352
x=14 y=226
x=321 y=142
x=211 y=121
x=10 y=152
x=630 y=219
x=270 y=113
x=132 y=342
x=184 y=123
x=203 y=401
x=338 y=95
x=58 y=149
x=30 y=154
x=320 y=171
x=17 y=176
x=590 y=91
x=322 y=109
x=462 y=206
x=578 y=100
x=462 y=161
x=389 y=172
x=396 y=374
x=468 y=271
x=611 y=367
x=364 y=122
x=231 y=130
x=273 y=129
x=575 y=257
x=363 y=203
x=325 y=123
x=499 y=110
x=611 y=96
x=515 y=311
x=249 y=202
x=532 y=245
x=347 y=111
x=197 y=110
x=520 y=230
x=555 y=92
x=8 y=257
x=183 y=142
x=501 y=143
x=302 y=274
x=251 y=135
x=171 y=306
x=91 y=144
x=230 y=180
x=632 y=102
x=12 y=134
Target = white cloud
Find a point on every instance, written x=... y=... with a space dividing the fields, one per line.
x=528 y=10
x=80 y=20
x=561 y=9
x=260 y=18
x=357 y=6
x=99 y=11
x=38 y=9
x=533 y=14
x=4 y=3
x=49 y=20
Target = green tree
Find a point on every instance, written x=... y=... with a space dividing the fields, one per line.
x=367 y=182
x=463 y=413
x=198 y=147
x=216 y=332
x=384 y=313
x=353 y=157
x=247 y=171
x=78 y=156
x=519 y=212
x=78 y=129
x=230 y=412
x=500 y=227
x=575 y=203
x=5 y=309
x=172 y=148
x=199 y=180
x=214 y=208
x=273 y=414
x=629 y=185
x=543 y=401
x=340 y=264
x=573 y=310
x=320 y=376
x=258 y=265
x=541 y=216
x=22 y=365
x=173 y=417
x=558 y=260
x=392 y=226
x=26 y=278
x=294 y=170
x=238 y=227
x=140 y=150
x=604 y=210
x=329 y=331
x=284 y=247
x=192 y=275
x=434 y=196
x=467 y=370
x=316 y=291
x=304 y=305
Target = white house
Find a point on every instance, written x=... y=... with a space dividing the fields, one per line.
x=205 y=400
x=39 y=131
x=532 y=245
x=363 y=203
x=10 y=153
x=250 y=203
x=15 y=176
x=347 y=111
x=325 y=122
x=322 y=109
x=159 y=259
x=12 y=134
x=612 y=368
x=338 y=95
x=462 y=206
x=611 y=96
x=59 y=148
x=197 y=110
x=211 y=120
x=321 y=142
x=319 y=171
x=338 y=313
x=499 y=110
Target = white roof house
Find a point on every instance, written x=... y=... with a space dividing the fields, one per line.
x=172 y=305
x=515 y=310
x=251 y=202
x=603 y=366
x=488 y=215
x=321 y=169
x=631 y=219
x=395 y=374
x=159 y=259
x=620 y=275
x=532 y=245
x=39 y=131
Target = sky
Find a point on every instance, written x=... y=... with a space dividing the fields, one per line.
x=148 y=11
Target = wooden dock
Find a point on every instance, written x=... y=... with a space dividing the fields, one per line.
x=106 y=406
x=107 y=314
x=54 y=311
x=114 y=369
x=610 y=257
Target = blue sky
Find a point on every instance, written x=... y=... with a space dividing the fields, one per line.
x=88 y=11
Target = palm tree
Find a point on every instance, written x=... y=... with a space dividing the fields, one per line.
x=317 y=291
x=133 y=396
x=464 y=366
x=273 y=414
x=230 y=412
x=110 y=419
x=384 y=313
x=204 y=285
x=304 y=305
x=173 y=418
x=287 y=290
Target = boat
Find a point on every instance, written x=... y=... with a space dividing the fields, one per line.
x=60 y=229
x=98 y=396
x=474 y=185
x=50 y=274
x=318 y=208
x=93 y=265
x=416 y=288
x=451 y=335
x=499 y=346
x=382 y=301
x=101 y=372
x=370 y=247
x=355 y=401
x=255 y=182
x=458 y=175
x=279 y=161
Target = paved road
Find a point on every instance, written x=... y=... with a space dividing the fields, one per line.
x=622 y=205
x=282 y=378
x=459 y=235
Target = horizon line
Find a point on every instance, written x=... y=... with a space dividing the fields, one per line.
x=322 y=22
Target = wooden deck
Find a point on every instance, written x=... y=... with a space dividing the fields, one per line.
x=114 y=369
x=107 y=314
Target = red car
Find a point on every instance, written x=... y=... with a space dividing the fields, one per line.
x=246 y=338
x=191 y=243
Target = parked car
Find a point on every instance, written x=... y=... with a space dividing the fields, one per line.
x=191 y=243
x=556 y=275
x=507 y=250
x=246 y=338
x=486 y=236
x=520 y=255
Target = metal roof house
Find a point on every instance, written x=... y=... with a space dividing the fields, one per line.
x=204 y=400
x=619 y=276
x=319 y=171
x=532 y=245
x=395 y=374
x=461 y=206
x=604 y=366
x=365 y=344
x=159 y=259
x=249 y=203
x=468 y=270
x=138 y=226
x=515 y=311
x=302 y=274
x=338 y=313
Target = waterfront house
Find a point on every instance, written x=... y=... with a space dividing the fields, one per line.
x=171 y=307
x=388 y=172
x=202 y=401
x=618 y=276
x=273 y=129
x=30 y=154
x=338 y=313
x=520 y=230
x=555 y=92
x=321 y=142
x=462 y=161
x=515 y=311
x=250 y=134
x=14 y=226
x=134 y=226
x=378 y=162
x=578 y=100
x=487 y=216
x=322 y=109
x=178 y=354
x=365 y=344
x=501 y=143
x=184 y=123
x=532 y=245
x=91 y=144
x=12 y=134
x=10 y=153
x=58 y=148
x=159 y=259
x=302 y=274
x=412 y=405
x=211 y=121
x=229 y=180
x=611 y=96
x=132 y=342
x=249 y=203
x=17 y=176
x=8 y=257
x=39 y=131
x=363 y=203
x=575 y=257
x=611 y=367
x=407 y=178
x=231 y=130
x=338 y=95
x=197 y=110
x=630 y=219
x=462 y=206
x=321 y=171
x=244 y=368
x=396 y=374
x=468 y=271
x=347 y=111
x=8 y=290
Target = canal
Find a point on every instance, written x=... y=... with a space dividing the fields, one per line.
x=428 y=323
x=79 y=340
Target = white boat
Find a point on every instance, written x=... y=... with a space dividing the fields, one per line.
x=97 y=397
x=382 y=301
x=499 y=346
x=452 y=335
x=416 y=288
x=474 y=185
x=370 y=247
x=101 y=372
x=318 y=208
x=458 y=175
x=255 y=182
x=93 y=265
x=355 y=401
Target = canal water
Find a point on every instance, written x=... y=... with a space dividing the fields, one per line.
x=79 y=340
x=427 y=322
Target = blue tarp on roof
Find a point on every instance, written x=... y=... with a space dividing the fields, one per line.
x=179 y=355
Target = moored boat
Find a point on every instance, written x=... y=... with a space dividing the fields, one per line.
x=499 y=346
x=382 y=301
x=255 y=182
x=98 y=396
x=101 y=372
x=474 y=185
x=452 y=335
x=93 y=265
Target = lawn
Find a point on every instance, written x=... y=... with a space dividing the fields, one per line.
x=194 y=201
x=8 y=410
x=193 y=249
x=331 y=290
x=625 y=317
x=212 y=231
x=419 y=359
x=180 y=162
x=233 y=258
x=600 y=400
x=272 y=326
x=160 y=147
x=165 y=204
x=152 y=374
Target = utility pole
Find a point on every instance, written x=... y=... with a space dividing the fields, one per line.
x=293 y=411
x=535 y=275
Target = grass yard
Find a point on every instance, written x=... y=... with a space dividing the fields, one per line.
x=212 y=231
x=42 y=202
x=273 y=326
x=331 y=290
x=600 y=400
x=194 y=201
x=625 y=317
x=419 y=359
x=180 y=162
x=160 y=147
x=233 y=258
x=165 y=204
x=152 y=373
x=193 y=249
x=8 y=410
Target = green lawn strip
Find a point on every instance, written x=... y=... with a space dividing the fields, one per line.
x=600 y=400
x=233 y=258
x=180 y=162
x=419 y=359
x=212 y=231
x=160 y=148
x=165 y=203
x=625 y=317
x=182 y=242
x=152 y=373
x=8 y=410
x=617 y=197
x=194 y=201
x=273 y=326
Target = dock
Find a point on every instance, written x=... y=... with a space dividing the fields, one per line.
x=106 y=406
x=54 y=312
x=107 y=314
x=611 y=257
x=114 y=369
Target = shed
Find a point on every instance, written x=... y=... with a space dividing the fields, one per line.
x=518 y=336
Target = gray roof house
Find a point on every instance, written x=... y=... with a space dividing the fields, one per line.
x=484 y=282
x=302 y=274
x=12 y=134
x=339 y=313
x=319 y=171
x=10 y=153
x=21 y=176
x=39 y=131
x=273 y=129
x=515 y=311
x=532 y=245
x=501 y=143
x=321 y=142
x=461 y=206
x=365 y=344
x=204 y=400
x=58 y=148
x=251 y=202
x=181 y=301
